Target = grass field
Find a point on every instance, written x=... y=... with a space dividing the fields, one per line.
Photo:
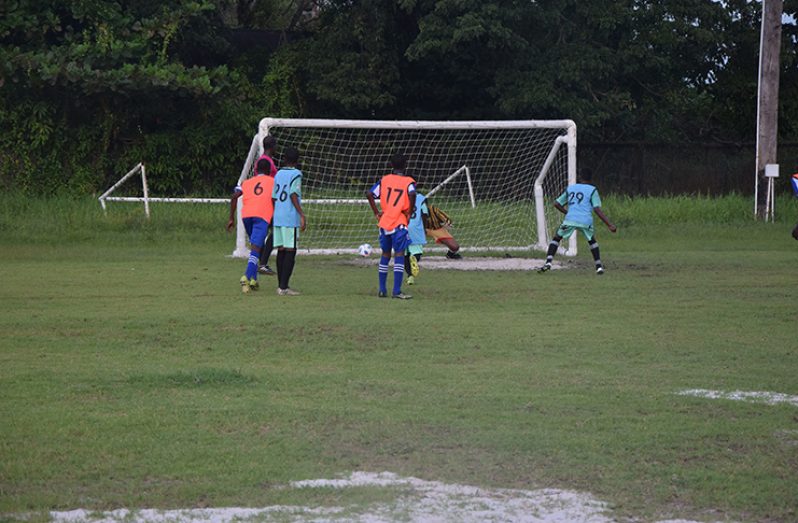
x=133 y=373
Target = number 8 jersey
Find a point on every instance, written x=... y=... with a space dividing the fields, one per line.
x=581 y=199
x=257 y=197
x=394 y=191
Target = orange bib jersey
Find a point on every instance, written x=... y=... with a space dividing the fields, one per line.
x=394 y=191
x=257 y=198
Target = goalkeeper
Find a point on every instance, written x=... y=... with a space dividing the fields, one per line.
x=438 y=224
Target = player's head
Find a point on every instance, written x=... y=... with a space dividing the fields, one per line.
x=291 y=156
x=269 y=143
x=263 y=167
x=399 y=162
x=585 y=174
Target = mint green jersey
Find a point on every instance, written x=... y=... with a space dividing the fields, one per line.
x=580 y=199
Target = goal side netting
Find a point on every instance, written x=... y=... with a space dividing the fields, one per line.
x=495 y=179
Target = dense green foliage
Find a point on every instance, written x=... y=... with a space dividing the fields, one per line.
x=90 y=87
x=135 y=374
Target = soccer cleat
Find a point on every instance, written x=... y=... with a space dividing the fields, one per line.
x=413 y=266
x=546 y=267
x=382 y=294
x=411 y=280
x=253 y=284
x=599 y=270
x=244 y=284
x=454 y=255
x=265 y=269
x=402 y=296
x=290 y=292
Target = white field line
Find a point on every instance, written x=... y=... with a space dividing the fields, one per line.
x=769 y=398
x=477 y=263
x=415 y=500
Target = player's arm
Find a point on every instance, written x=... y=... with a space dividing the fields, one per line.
x=298 y=207
x=604 y=218
x=559 y=203
x=371 y=194
x=233 y=203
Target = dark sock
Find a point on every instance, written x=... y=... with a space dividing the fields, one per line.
x=280 y=268
x=594 y=250
x=553 y=246
x=407 y=264
x=288 y=263
x=266 y=252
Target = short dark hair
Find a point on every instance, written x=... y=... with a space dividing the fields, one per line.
x=399 y=161
x=585 y=174
x=290 y=155
x=264 y=166
x=269 y=142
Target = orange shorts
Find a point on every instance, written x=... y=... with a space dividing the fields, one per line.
x=439 y=234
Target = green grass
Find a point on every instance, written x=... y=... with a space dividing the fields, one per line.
x=134 y=373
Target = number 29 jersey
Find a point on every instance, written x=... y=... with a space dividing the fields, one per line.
x=394 y=191
x=256 y=195
x=581 y=199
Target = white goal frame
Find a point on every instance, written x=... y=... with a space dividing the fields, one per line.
x=568 y=139
x=139 y=168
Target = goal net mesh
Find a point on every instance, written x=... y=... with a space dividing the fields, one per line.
x=483 y=178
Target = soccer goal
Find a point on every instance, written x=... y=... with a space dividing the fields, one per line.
x=495 y=179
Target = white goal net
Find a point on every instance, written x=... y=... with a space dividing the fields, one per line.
x=495 y=179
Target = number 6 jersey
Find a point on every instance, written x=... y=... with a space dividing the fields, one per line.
x=256 y=195
x=581 y=199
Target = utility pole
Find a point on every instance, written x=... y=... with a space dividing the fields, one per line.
x=767 y=111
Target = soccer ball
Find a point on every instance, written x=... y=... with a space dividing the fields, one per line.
x=364 y=250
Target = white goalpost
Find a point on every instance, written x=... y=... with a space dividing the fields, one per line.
x=496 y=179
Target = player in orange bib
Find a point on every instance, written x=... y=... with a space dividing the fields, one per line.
x=397 y=194
x=256 y=212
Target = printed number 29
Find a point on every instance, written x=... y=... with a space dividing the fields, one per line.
x=578 y=196
x=399 y=193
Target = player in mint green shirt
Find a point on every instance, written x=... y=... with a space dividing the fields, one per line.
x=582 y=200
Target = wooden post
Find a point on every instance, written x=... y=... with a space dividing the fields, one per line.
x=767 y=125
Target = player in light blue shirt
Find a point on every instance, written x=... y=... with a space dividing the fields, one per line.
x=582 y=200
x=795 y=191
x=418 y=238
x=289 y=219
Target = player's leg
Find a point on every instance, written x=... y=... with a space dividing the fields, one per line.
x=289 y=259
x=412 y=256
x=453 y=247
x=255 y=231
x=400 y=244
x=795 y=232
x=590 y=236
x=386 y=244
x=278 y=233
x=265 y=254
x=563 y=232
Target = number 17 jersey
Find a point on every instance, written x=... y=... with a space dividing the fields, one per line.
x=394 y=191
x=581 y=199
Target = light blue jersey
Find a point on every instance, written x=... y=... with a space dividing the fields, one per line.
x=287 y=181
x=416 y=224
x=581 y=199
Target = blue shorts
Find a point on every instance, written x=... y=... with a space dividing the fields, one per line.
x=396 y=241
x=256 y=228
